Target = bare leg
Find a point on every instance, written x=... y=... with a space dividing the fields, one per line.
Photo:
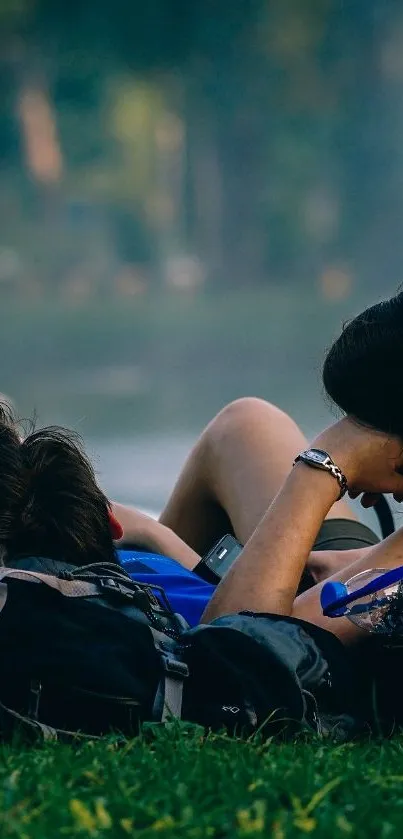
x=233 y=473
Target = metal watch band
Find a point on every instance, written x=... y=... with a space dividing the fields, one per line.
x=327 y=465
x=339 y=475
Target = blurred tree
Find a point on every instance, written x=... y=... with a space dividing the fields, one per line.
x=262 y=136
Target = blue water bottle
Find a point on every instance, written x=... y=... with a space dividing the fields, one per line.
x=373 y=600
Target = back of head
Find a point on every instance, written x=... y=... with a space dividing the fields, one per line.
x=362 y=370
x=11 y=477
x=50 y=503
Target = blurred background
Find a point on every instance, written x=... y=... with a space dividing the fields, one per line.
x=195 y=194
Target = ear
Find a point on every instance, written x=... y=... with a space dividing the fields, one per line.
x=115 y=526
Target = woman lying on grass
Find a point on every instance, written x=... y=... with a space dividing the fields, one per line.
x=361 y=375
x=240 y=467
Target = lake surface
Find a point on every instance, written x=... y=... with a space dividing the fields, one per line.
x=141 y=470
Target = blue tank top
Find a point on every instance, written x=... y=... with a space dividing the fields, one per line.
x=187 y=593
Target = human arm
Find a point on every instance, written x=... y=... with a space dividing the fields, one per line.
x=388 y=554
x=143 y=530
x=265 y=576
x=323 y=564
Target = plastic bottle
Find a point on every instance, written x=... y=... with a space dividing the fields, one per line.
x=378 y=606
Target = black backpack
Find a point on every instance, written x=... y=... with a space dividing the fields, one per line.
x=86 y=651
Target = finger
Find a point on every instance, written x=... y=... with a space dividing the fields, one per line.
x=369 y=499
x=397 y=489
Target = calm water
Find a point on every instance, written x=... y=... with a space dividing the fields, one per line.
x=142 y=470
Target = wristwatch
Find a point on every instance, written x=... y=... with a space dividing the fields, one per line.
x=319 y=459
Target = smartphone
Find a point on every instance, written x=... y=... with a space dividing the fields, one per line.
x=215 y=564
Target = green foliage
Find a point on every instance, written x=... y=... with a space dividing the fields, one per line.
x=263 y=136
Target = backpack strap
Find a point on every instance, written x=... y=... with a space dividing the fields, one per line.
x=69 y=588
x=169 y=694
x=10 y=717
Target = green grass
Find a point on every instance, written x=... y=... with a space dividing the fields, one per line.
x=180 y=784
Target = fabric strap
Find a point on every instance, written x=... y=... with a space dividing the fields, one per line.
x=69 y=588
x=169 y=695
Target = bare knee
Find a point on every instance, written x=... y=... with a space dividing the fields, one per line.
x=248 y=408
x=248 y=413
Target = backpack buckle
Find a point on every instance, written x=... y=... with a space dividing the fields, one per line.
x=113 y=587
x=175 y=668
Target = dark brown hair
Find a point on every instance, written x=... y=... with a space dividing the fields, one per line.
x=50 y=502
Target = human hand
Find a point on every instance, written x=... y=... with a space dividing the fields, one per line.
x=371 y=460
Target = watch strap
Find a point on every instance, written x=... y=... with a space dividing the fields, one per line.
x=327 y=465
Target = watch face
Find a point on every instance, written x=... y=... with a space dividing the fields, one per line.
x=316 y=455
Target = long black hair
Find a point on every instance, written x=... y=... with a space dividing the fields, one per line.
x=363 y=370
